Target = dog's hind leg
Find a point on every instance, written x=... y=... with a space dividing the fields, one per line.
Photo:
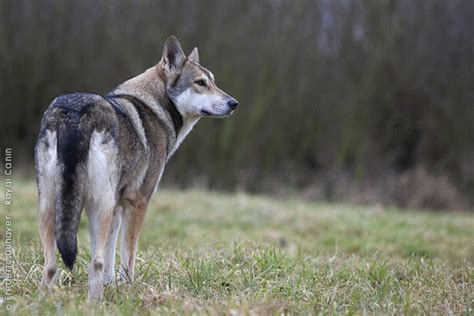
x=109 y=256
x=133 y=217
x=101 y=203
x=47 y=172
x=100 y=220
x=49 y=246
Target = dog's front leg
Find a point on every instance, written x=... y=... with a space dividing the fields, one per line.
x=133 y=217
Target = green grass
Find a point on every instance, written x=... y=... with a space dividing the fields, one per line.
x=211 y=253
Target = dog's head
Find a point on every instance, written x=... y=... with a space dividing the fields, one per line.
x=190 y=86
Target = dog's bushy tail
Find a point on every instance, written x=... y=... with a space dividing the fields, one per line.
x=72 y=149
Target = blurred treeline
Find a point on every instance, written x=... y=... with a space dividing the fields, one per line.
x=368 y=101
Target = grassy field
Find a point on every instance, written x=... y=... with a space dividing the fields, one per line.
x=212 y=253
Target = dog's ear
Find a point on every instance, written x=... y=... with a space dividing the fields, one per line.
x=173 y=55
x=194 y=56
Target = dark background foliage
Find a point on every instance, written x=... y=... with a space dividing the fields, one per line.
x=365 y=101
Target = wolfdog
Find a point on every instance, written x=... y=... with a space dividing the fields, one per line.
x=107 y=155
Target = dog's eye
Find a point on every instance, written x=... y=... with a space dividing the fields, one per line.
x=200 y=82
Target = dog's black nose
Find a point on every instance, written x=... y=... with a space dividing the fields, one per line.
x=232 y=103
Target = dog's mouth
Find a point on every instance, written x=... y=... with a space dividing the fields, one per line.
x=207 y=113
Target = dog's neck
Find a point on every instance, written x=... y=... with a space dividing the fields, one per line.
x=150 y=87
x=188 y=124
